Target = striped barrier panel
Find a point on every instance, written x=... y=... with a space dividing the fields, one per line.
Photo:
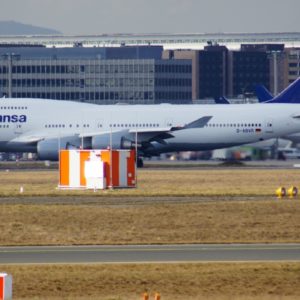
x=96 y=169
x=5 y=286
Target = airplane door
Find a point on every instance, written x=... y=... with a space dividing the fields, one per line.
x=100 y=125
x=269 y=126
x=169 y=122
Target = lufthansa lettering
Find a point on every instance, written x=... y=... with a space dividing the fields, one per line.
x=13 y=118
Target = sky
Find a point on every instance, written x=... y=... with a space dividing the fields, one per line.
x=155 y=16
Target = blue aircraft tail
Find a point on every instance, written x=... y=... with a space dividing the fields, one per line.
x=221 y=100
x=289 y=95
x=262 y=93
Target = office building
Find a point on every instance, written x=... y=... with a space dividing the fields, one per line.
x=291 y=65
x=213 y=69
x=97 y=75
x=252 y=65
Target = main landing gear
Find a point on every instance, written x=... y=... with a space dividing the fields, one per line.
x=140 y=162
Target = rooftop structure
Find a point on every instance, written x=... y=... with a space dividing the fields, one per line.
x=168 y=41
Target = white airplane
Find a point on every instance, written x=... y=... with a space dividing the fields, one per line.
x=45 y=126
x=264 y=96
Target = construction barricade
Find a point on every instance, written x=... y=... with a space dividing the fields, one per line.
x=5 y=286
x=97 y=169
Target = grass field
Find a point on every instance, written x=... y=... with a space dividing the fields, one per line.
x=195 y=222
x=216 y=182
x=265 y=220
x=117 y=222
x=172 y=281
x=213 y=206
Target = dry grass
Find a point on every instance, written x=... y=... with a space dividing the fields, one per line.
x=174 y=281
x=219 y=221
x=198 y=222
x=191 y=222
x=161 y=183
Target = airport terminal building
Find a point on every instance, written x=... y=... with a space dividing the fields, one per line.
x=97 y=75
x=147 y=69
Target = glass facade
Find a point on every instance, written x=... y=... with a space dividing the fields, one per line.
x=101 y=81
x=249 y=69
x=173 y=81
x=213 y=72
x=292 y=65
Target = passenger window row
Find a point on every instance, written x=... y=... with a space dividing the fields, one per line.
x=133 y=125
x=64 y=126
x=13 y=107
x=233 y=125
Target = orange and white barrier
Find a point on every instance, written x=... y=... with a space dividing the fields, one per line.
x=5 y=286
x=96 y=169
x=146 y=296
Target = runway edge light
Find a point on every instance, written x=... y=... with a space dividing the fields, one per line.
x=292 y=192
x=281 y=192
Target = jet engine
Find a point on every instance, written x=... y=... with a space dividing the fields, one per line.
x=48 y=149
x=117 y=140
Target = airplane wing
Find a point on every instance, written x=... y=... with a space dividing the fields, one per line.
x=29 y=138
x=144 y=134
x=138 y=131
x=151 y=134
x=199 y=123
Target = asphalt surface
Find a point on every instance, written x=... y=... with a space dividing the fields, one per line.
x=168 y=164
x=150 y=253
x=217 y=165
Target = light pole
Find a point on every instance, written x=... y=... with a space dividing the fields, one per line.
x=9 y=57
x=276 y=58
x=275 y=73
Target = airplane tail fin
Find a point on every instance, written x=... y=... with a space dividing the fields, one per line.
x=221 y=100
x=262 y=93
x=289 y=95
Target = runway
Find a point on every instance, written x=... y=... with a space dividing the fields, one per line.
x=150 y=253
